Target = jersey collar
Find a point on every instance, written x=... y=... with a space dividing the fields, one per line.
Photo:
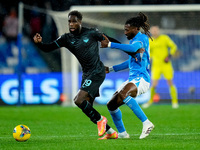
x=137 y=35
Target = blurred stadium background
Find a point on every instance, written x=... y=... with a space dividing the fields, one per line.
x=54 y=78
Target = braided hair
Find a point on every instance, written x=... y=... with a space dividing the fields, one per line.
x=140 y=21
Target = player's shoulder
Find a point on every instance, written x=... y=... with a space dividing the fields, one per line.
x=92 y=29
x=88 y=30
x=165 y=36
x=144 y=37
x=65 y=35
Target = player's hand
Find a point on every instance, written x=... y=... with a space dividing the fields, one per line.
x=105 y=42
x=141 y=50
x=167 y=59
x=37 y=38
x=106 y=69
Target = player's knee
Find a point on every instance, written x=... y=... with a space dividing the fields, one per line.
x=77 y=101
x=154 y=84
x=122 y=95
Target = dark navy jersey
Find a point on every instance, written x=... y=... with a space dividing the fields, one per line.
x=84 y=46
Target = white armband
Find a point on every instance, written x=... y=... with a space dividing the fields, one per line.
x=111 y=69
x=109 y=44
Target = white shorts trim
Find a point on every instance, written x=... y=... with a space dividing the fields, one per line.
x=141 y=84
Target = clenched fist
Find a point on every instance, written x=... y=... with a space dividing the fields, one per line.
x=37 y=38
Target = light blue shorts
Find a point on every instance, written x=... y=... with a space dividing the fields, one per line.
x=142 y=85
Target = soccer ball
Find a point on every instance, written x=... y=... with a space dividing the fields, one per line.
x=21 y=133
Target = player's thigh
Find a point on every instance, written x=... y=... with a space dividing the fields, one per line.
x=130 y=89
x=156 y=72
x=141 y=85
x=154 y=83
x=122 y=86
x=168 y=72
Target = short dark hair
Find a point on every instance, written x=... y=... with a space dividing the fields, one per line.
x=76 y=13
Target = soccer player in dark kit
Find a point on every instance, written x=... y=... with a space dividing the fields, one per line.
x=83 y=43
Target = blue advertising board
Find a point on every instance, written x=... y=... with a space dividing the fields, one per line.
x=46 y=88
x=36 y=88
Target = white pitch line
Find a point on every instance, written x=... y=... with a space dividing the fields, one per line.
x=73 y=136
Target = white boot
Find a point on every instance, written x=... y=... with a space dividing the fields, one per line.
x=147 y=128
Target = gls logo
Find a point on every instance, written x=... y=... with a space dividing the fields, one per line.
x=48 y=91
x=87 y=83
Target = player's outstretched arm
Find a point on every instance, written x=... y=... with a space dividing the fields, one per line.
x=44 y=47
x=132 y=48
x=119 y=67
x=112 y=39
x=116 y=68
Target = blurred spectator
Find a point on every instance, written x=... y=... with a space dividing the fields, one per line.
x=134 y=2
x=35 y=22
x=10 y=29
x=49 y=26
x=2 y=14
x=10 y=25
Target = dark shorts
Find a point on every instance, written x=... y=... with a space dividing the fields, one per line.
x=91 y=83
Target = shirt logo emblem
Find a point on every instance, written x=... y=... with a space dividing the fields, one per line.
x=85 y=40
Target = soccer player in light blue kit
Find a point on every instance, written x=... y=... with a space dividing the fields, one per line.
x=139 y=78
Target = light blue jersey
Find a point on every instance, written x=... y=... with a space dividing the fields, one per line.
x=139 y=68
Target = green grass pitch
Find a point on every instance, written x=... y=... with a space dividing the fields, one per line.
x=61 y=128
